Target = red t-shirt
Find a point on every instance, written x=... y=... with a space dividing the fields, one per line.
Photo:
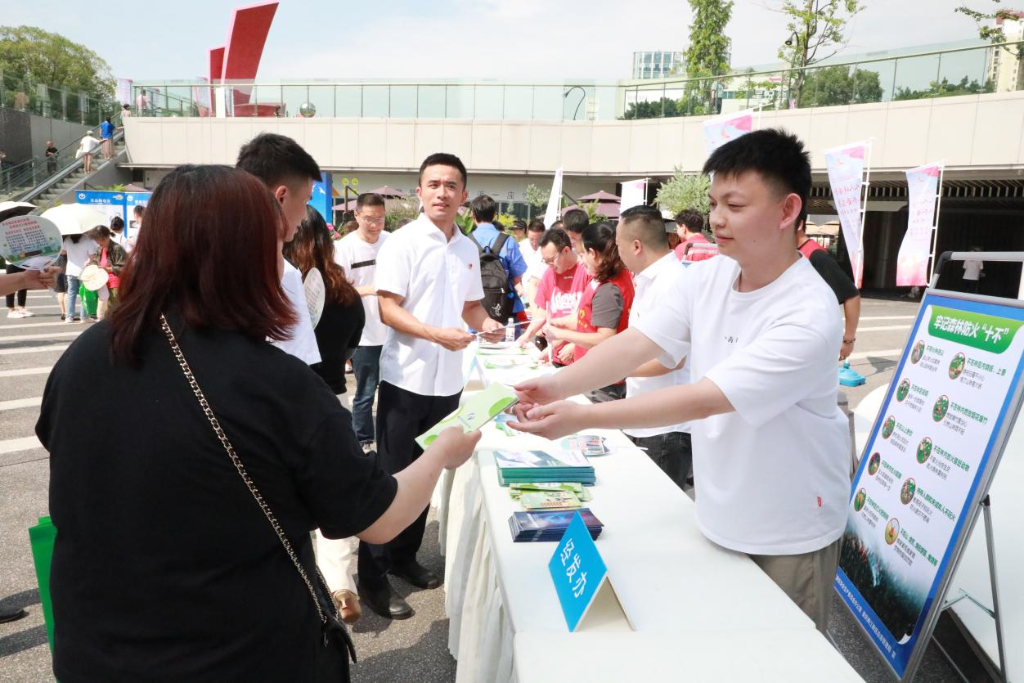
x=686 y=252
x=559 y=293
x=809 y=247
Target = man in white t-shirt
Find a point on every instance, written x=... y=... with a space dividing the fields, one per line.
x=357 y=253
x=643 y=246
x=289 y=172
x=535 y=266
x=770 y=445
x=428 y=289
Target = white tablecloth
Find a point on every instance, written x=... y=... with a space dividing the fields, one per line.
x=672 y=582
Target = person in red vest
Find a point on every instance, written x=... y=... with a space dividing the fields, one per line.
x=693 y=245
x=842 y=286
x=604 y=307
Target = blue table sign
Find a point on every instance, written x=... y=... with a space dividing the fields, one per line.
x=581 y=578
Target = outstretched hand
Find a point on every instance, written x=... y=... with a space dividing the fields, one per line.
x=551 y=421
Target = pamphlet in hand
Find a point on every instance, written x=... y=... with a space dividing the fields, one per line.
x=474 y=414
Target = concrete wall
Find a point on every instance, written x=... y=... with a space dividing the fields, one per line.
x=24 y=135
x=968 y=133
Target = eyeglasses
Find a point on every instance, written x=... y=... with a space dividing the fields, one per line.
x=371 y=221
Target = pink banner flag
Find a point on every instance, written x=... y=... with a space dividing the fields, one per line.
x=724 y=129
x=912 y=261
x=846 y=176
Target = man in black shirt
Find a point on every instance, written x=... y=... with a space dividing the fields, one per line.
x=846 y=292
x=51 y=158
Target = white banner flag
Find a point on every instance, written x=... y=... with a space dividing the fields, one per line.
x=912 y=261
x=846 y=176
x=554 y=201
x=724 y=129
x=634 y=193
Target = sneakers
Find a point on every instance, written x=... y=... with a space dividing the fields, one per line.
x=12 y=313
x=348 y=605
x=25 y=313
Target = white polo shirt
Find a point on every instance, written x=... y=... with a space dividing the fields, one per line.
x=359 y=259
x=436 y=277
x=302 y=344
x=772 y=477
x=652 y=287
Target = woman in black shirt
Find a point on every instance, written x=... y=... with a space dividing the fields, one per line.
x=165 y=567
x=341 y=323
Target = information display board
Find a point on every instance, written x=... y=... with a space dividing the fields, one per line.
x=927 y=465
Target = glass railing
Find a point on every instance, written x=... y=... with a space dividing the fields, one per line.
x=958 y=71
x=54 y=102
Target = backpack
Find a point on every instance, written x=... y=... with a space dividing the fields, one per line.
x=494 y=278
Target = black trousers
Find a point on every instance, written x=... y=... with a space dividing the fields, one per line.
x=401 y=417
x=22 y=293
x=672 y=452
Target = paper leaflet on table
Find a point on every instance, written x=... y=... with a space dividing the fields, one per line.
x=30 y=242
x=478 y=410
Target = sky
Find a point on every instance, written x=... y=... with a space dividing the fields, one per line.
x=508 y=39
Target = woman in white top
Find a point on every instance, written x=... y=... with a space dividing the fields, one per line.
x=87 y=148
x=79 y=249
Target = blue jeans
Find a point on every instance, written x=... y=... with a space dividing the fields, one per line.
x=366 y=366
x=72 y=299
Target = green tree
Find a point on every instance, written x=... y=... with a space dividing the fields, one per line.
x=32 y=54
x=536 y=197
x=944 y=88
x=816 y=29
x=684 y=191
x=664 y=107
x=708 y=53
x=832 y=85
x=986 y=31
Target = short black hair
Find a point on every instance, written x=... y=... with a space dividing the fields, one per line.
x=536 y=225
x=647 y=223
x=276 y=160
x=483 y=208
x=445 y=159
x=518 y=224
x=557 y=225
x=692 y=219
x=117 y=224
x=369 y=199
x=575 y=220
x=777 y=156
x=557 y=237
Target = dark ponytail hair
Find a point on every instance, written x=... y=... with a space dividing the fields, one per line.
x=600 y=237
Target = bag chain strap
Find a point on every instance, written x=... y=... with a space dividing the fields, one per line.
x=180 y=357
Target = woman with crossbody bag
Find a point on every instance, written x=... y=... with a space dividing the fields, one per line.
x=183 y=548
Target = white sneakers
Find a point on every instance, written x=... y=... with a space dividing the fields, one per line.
x=22 y=313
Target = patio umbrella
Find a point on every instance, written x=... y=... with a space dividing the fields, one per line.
x=389 y=192
x=606 y=209
x=602 y=197
x=76 y=219
x=12 y=209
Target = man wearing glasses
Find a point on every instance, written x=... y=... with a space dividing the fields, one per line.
x=357 y=254
x=559 y=291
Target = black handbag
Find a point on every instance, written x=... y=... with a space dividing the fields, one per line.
x=335 y=646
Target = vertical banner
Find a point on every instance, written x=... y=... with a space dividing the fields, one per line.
x=724 y=129
x=123 y=94
x=554 y=211
x=634 y=193
x=846 y=176
x=202 y=97
x=322 y=199
x=912 y=261
x=928 y=463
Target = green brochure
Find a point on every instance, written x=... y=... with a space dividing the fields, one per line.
x=480 y=409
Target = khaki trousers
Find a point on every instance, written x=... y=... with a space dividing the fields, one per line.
x=807 y=579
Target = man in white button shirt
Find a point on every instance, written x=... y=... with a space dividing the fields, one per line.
x=643 y=247
x=428 y=289
x=762 y=329
x=289 y=172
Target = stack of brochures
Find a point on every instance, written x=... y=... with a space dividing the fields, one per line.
x=549 y=525
x=527 y=467
x=567 y=495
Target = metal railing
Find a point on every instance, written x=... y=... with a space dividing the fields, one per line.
x=55 y=102
x=956 y=71
x=30 y=178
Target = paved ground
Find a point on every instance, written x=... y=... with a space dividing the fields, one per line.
x=413 y=650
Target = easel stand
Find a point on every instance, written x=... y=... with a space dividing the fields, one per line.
x=986 y=511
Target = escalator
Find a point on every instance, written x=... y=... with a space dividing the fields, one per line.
x=42 y=180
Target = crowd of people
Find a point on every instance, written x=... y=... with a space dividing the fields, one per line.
x=717 y=360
